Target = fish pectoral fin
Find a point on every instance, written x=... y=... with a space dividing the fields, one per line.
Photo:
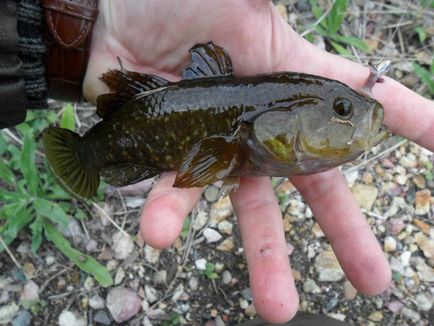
x=123 y=174
x=208 y=60
x=211 y=159
x=125 y=85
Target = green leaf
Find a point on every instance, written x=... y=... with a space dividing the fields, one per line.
x=426 y=77
x=3 y=144
x=51 y=210
x=6 y=174
x=28 y=164
x=12 y=196
x=36 y=228
x=340 y=49
x=317 y=12
x=20 y=220
x=358 y=43
x=337 y=15
x=67 y=120
x=86 y=263
x=421 y=33
x=8 y=211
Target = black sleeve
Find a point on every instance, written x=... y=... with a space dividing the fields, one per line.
x=22 y=80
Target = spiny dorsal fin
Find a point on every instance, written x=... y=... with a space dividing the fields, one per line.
x=125 y=85
x=208 y=60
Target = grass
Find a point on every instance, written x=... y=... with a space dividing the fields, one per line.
x=31 y=199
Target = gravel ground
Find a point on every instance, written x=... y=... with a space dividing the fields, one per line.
x=202 y=278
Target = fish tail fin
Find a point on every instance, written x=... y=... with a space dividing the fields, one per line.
x=61 y=151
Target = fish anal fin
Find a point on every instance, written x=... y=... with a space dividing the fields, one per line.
x=211 y=159
x=125 y=85
x=208 y=60
x=123 y=174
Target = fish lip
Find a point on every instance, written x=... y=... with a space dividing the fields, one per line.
x=377 y=131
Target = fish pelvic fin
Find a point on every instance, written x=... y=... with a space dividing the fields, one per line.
x=60 y=149
x=125 y=85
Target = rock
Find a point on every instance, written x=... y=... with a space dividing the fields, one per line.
x=389 y=244
x=112 y=265
x=425 y=272
x=424 y=227
x=395 y=225
x=200 y=220
x=178 y=293
x=50 y=260
x=73 y=230
x=365 y=195
x=134 y=202
x=23 y=319
x=246 y=293
x=200 y=264
x=426 y=244
x=7 y=312
x=419 y=181
x=152 y=255
x=424 y=301
x=220 y=210
x=243 y=303
x=310 y=286
x=151 y=294
x=29 y=270
x=123 y=303
x=250 y=310
x=227 y=245
x=350 y=291
x=89 y=283
x=395 y=306
x=423 y=202
x=226 y=277
x=193 y=283
x=211 y=193
x=410 y=314
x=119 y=277
x=146 y=321
x=122 y=245
x=211 y=235
x=290 y=248
x=96 y=302
x=102 y=317
x=397 y=204
x=30 y=294
x=69 y=318
x=328 y=267
x=91 y=246
x=376 y=316
x=351 y=177
x=282 y=11
x=225 y=227
x=405 y=258
x=316 y=229
x=161 y=277
x=401 y=179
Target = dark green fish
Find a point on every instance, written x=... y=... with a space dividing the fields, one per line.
x=212 y=125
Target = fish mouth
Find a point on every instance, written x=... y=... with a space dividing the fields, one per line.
x=372 y=131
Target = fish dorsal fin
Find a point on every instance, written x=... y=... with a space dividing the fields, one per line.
x=208 y=60
x=209 y=160
x=125 y=85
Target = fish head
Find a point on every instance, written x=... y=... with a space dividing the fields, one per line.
x=323 y=132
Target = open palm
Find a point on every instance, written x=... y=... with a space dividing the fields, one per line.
x=154 y=37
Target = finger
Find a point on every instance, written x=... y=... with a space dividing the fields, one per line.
x=356 y=247
x=260 y=221
x=406 y=113
x=165 y=210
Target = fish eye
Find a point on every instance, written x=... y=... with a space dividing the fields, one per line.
x=343 y=108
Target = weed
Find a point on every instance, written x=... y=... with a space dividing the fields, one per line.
x=329 y=25
x=31 y=198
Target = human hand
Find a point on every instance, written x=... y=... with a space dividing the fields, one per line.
x=154 y=37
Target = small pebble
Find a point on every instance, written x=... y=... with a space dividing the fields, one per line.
x=96 y=302
x=328 y=267
x=119 y=277
x=389 y=244
x=350 y=291
x=123 y=303
x=200 y=264
x=102 y=317
x=122 y=246
x=193 y=283
x=226 y=245
x=69 y=318
x=310 y=286
x=211 y=193
x=226 y=277
x=23 y=319
x=225 y=227
x=211 y=235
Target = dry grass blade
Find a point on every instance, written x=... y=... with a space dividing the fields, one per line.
x=110 y=219
x=10 y=253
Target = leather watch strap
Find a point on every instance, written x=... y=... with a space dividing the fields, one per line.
x=68 y=33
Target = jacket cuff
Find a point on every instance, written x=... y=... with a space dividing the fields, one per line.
x=31 y=52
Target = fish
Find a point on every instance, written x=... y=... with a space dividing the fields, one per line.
x=213 y=125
